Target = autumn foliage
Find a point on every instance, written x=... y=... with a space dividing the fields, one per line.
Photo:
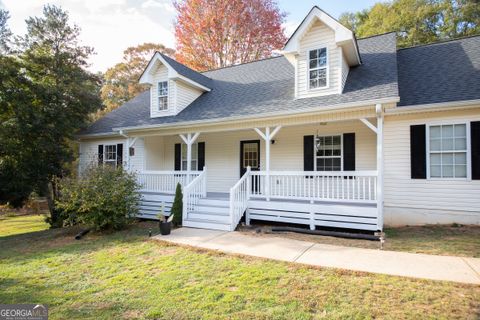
x=217 y=33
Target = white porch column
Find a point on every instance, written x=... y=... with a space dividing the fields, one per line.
x=379 y=131
x=379 y=111
x=189 y=139
x=267 y=137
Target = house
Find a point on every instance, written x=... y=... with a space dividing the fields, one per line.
x=334 y=132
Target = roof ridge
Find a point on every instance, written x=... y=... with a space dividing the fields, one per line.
x=165 y=56
x=440 y=42
x=241 y=64
x=376 y=35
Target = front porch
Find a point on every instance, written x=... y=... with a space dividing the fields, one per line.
x=316 y=174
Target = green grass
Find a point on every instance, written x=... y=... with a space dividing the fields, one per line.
x=127 y=275
x=436 y=239
x=11 y=224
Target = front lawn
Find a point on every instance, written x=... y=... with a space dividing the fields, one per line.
x=453 y=240
x=127 y=275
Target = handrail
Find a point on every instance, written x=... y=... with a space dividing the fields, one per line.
x=193 y=192
x=164 y=181
x=341 y=186
x=362 y=173
x=239 y=196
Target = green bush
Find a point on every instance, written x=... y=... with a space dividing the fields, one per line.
x=177 y=206
x=102 y=198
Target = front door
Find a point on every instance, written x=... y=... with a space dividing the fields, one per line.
x=250 y=156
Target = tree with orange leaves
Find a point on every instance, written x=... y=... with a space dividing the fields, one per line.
x=217 y=33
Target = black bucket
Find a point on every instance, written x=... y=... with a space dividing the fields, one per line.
x=165 y=228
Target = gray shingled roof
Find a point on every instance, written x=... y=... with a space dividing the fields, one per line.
x=267 y=87
x=187 y=72
x=440 y=72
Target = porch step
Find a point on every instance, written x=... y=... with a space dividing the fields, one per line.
x=214 y=202
x=210 y=213
x=206 y=224
x=207 y=216
x=212 y=209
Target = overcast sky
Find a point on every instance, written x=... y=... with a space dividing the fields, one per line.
x=110 y=26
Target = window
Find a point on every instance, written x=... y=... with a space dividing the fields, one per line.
x=329 y=153
x=110 y=155
x=163 y=95
x=194 y=157
x=250 y=155
x=317 y=68
x=447 y=151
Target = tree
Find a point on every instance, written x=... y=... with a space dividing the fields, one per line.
x=417 y=21
x=5 y=33
x=177 y=206
x=47 y=103
x=121 y=81
x=213 y=34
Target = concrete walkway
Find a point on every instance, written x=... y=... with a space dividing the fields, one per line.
x=457 y=269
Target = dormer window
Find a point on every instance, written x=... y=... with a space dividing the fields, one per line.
x=163 y=95
x=317 y=68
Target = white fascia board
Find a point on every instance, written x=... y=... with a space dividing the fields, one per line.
x=343 y=36
x=441 y=106
x=188 y=81
x=264 y=116
x=146 y=77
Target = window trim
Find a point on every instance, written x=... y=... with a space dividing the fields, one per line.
x=315 y=151
x=327 y=67
x=162 y=96
x=186 y=156
x=105 y=161
x=468 y=154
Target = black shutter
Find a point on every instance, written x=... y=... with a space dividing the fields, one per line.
x=308 y=153
x=178 y=157
x=349 y=151
x=475 y=142
x=201 y=155
x=100 y=154
x=418 y=161
x=119 y=154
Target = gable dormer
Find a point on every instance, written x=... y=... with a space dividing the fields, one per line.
x=173 y=86
x=322 y=51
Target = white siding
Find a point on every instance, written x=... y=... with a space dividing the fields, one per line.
x=319 y=35
x=154 y=155
x=222 y=150
x=419 y=201
x=161 y=74
x=137 y=161
x=185 y=95
x=180 y=95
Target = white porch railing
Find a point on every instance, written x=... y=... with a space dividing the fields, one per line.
x=239 y=196
x=165 y=181
x=357 y=186
x=193 y=192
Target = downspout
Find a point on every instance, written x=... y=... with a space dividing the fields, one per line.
x=127 y=145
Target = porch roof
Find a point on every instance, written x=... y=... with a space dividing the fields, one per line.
x=266 y=87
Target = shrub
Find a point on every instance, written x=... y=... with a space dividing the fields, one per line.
x=103 y=198
x=177 y=206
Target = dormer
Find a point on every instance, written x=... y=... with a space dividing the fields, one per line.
x=322 y=51
x=173 y=86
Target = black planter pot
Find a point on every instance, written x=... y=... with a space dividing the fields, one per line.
x=165 y=228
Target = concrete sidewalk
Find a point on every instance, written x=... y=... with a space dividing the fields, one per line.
x=457 y=269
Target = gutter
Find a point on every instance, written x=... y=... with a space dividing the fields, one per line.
x=431 y=107
x=260 y=116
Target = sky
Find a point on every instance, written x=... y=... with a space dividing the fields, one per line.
x=110 y=26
